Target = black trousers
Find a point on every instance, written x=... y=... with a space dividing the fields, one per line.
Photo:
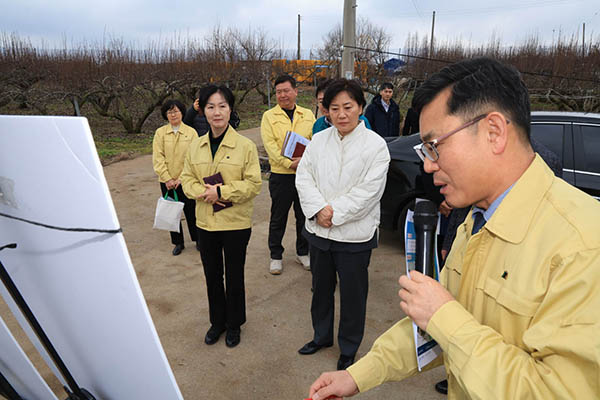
x=351 y=268
x=226 y=302
x=189 y=209
x=282 y=188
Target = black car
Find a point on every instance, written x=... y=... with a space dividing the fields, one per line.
x=404 y=181
x=573 y=137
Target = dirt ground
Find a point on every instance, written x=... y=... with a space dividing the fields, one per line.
x=266 y=363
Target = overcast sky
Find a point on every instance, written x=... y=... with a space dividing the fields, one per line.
x=138 y=21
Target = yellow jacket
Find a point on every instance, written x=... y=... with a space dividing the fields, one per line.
x=273 y=127
x=525 y=323
x=237 y=161
x=169 y=149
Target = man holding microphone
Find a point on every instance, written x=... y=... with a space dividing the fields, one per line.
x=516 y=309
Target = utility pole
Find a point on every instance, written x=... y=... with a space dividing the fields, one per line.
x=349 y=39
x=431 y=41
x=583 y=42
x=298 y=36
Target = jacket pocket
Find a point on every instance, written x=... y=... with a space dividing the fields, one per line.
x=516 y=303
x=198 y=158
x=279 y=129
x=506 y=310
x=304 y=125
x=451 y=274
x=230 y=170
x=168 y=146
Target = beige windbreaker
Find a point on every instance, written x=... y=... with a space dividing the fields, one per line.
x=169 y=150
x=237 y=161
x=526 y=320
x=273 y=127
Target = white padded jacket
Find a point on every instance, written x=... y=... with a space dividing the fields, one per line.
x=347 y=174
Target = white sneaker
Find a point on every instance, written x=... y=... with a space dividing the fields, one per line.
x=276 y=267
x=304 y=261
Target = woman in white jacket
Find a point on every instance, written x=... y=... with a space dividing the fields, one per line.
x=340 y=181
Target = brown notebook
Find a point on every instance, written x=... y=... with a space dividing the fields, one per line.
x=298 y=150
x=293 y=145
x=213 y=180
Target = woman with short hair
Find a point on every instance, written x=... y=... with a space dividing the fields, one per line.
x=340 y=181
x=323 y=122
x=222 y=173
x=195 y=118
x=169 y=147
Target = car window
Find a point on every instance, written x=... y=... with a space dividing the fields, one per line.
x=591 y=147
x=551 y=136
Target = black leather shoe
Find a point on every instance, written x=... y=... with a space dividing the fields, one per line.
x=177 y=250
x=232 y=338
x=344 y=362
x=213 y=335
x=442 y=387
x=311 y=348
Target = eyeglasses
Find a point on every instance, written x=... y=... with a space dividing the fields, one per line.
x=173 y=112
x=429 y=149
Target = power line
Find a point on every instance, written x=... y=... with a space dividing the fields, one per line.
x=417 y=9
x=451 y=62
x=490 y=9
x=593 y=16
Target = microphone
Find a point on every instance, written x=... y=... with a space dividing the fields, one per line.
x=425 y=219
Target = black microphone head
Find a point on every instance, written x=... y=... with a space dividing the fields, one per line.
x=425 y=219
x=426 y=213
x=426 y=207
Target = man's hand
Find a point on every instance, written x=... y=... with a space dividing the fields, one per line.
x=197 y=105
x=333 y=385
x=422 y=297
x=445 y=209
x=324 y=216
x=295 y=162
x=211 y=195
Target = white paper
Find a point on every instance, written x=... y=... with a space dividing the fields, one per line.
x=81 y=286
x=290 y=145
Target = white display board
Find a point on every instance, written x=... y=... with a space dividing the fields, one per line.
x=18 y=370
x=81 y=286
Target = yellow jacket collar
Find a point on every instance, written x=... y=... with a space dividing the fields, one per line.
x=515 y=214
x=280 y=110
x=182 y=130
x=229 y=140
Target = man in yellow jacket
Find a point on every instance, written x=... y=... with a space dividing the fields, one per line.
x=516 y=312
x=276 y=122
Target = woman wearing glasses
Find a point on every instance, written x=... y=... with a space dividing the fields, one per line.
x=340 y=181
x=222 y=173
x=169 y=147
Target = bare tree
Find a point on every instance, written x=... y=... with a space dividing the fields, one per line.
x=120 y=81
x=257 y=51
x=129 y=101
